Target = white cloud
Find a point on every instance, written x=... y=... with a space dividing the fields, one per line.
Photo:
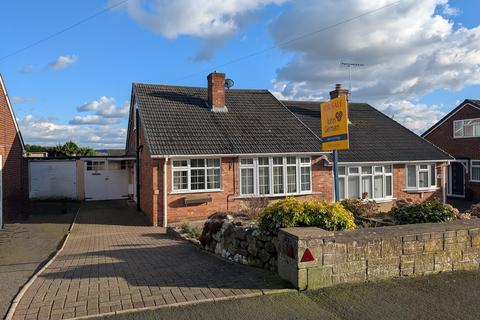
x=106 y=107
x=22 y=100
x=450 y=11
x=25 y=69
x=408 y=50
x=206 y=19
x=48 y=131
x=63 y=62
x=92 y=119
x=417 y=117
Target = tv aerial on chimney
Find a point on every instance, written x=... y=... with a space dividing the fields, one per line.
x=229 y=83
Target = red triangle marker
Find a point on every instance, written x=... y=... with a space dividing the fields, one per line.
x=307 y=256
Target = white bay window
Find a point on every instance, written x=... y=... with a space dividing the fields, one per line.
x=270 y=176
x=366 y=182
x=194 y=175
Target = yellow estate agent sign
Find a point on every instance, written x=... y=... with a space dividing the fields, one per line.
x=334 y=120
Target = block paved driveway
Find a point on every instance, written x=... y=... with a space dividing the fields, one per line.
x=113 y=262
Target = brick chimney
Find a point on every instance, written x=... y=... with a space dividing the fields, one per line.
x=216 y=91
x=338 y=92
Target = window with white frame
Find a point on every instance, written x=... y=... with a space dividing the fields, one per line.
x=366 y=182
x=275 y=176
x=475 y=171
x=466 y=128
x=421 y=176
x=196 y=175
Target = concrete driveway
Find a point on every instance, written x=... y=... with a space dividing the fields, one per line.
x=113 y=262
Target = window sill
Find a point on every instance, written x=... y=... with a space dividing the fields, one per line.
x=421 y=190
x=474 y=181
x=382 y=200
x=278 y=195
x=195 y=191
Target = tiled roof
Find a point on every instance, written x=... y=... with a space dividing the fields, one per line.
x=373 y=135
x=178 y=121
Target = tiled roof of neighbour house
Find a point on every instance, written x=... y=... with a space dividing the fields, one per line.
x=178 y=121
x=474 y=103
x=373 y=135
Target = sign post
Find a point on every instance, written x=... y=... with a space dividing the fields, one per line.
x=334 y=123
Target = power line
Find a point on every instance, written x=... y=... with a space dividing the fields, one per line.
x=53 y=35
x=285 y=43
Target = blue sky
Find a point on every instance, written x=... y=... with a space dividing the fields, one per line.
x=77 y=85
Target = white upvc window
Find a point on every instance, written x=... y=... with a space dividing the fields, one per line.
x=421 y=176
x=366 y=182
x=467 y=128
x=195 y=175
x=272 y=176
x=475 y=170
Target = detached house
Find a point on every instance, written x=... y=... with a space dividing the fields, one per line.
x=202 y=150
x=458 y=133
x=13 y=173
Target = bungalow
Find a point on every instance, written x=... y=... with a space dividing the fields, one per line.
x=201 y=150
x=13 y=172
x=458 y=133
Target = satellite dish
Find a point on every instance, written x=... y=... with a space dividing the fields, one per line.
x=229 y=83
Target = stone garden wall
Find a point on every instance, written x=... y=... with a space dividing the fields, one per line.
x=313 y=258
x=240 y=240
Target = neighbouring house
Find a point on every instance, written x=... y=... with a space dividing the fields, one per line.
x=202 y=150
x=458 y=133
x=13 y=168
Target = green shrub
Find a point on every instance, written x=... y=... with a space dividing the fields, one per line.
x=361 y=208
x=290 y=212
x=423 y=212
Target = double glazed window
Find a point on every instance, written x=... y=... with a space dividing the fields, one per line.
x=466 y=128
x=366 y=182
x=421 y=176
x=275 y=175
x=475 y=171
x=196 y=175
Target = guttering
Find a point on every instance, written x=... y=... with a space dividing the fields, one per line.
x=165 y=222
x=394 y=162
x=239 y=155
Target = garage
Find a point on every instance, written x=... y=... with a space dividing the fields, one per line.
x=85 y=178
x=106 y=179
x=53 y=179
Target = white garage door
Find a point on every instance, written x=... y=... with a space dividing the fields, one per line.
x=53 y=180
x=106 y=179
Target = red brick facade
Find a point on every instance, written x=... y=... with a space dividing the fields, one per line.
x=14 y=175
x=151 y=194
x=460 y=148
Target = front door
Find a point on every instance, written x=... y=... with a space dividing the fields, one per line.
x=457 y=179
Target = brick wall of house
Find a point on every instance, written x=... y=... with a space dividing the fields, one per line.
x=148 y=182
x=228 y=200
x=462 y=148
x=15 y=180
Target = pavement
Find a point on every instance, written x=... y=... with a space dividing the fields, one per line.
x=446 y=296
x=27 y=244
x=112 y=262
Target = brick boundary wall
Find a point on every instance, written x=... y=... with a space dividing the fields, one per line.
x=377 y=253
